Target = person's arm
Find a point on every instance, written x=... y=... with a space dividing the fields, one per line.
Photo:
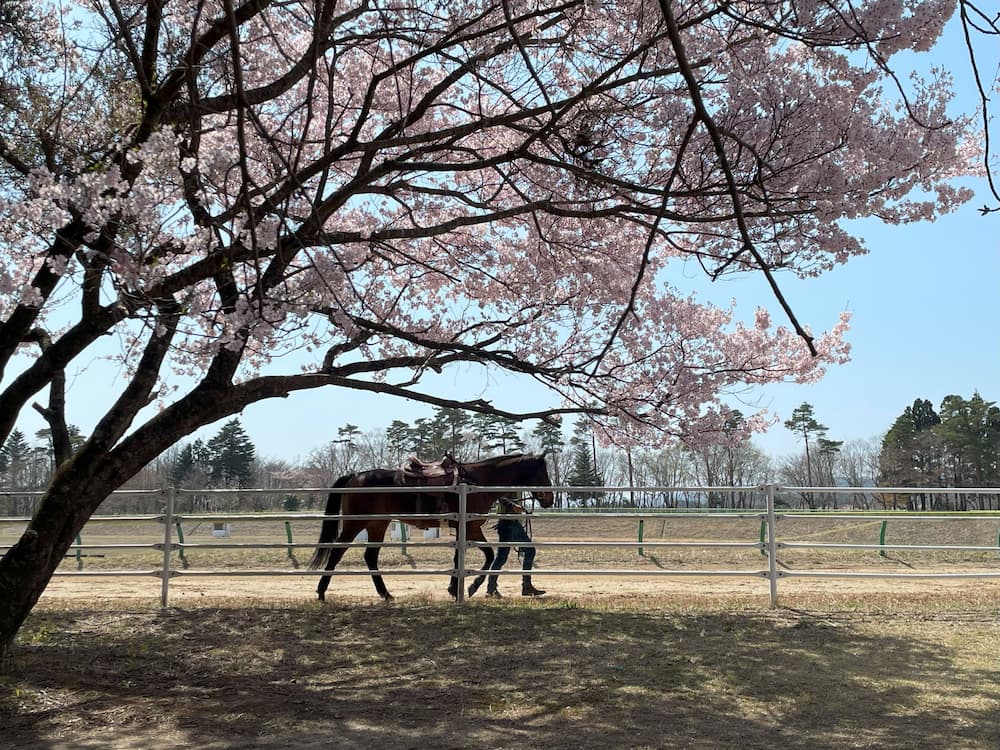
x=509 y=506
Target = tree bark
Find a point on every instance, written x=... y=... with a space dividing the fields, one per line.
x=28 y=566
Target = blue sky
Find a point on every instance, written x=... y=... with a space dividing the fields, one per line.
x=926 y=323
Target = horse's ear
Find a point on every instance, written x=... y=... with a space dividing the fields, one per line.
x=544 y=453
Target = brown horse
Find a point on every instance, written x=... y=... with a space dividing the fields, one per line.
x=502 y=471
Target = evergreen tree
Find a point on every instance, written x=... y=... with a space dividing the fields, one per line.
x=15 y=457
x=508 y=436
x=970 y=434
x=343 y=451
x=348 y=434
x=231 y=456
x=548 y=437
x=451 y=428
x=76 y=439
x=911 y=450
x=804 y=423
x=399 y=440
x=487 y=434
x=583 y=462
x=192 y=466
x=425 y=438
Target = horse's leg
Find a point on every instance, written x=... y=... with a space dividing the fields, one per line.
x=376 y=533
x=487 y=562
x=349 y=530
x=473 y=533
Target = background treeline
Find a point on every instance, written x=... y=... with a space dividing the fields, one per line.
x=957 y=445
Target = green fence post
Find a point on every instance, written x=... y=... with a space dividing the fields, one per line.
x=881 y=538
x=79 y=553
x=291 y=553
x=180 y=550
x=402 y=537
x=642 y=524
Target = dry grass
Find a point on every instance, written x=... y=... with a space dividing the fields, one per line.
x=591 y=672
x=600 y=662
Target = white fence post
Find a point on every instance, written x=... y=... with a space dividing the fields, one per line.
x=772 y=547
x=168 y=525
x=460 y=541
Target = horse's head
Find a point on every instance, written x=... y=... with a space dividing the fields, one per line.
x=538 y=476
x=520 y=469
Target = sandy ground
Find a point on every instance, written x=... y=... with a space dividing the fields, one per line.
x=188 y=590
x=285 y=680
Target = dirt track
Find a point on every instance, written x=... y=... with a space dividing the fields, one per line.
x=188 y=590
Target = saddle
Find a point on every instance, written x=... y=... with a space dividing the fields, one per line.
x=418 y=473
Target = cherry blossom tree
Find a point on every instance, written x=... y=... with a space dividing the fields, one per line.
x=394 y=187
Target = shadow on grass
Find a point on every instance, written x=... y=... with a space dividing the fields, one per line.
x=544 y=675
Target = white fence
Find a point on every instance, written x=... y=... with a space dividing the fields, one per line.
x=174 y=548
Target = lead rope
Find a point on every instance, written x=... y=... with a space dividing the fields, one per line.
x=527 y=530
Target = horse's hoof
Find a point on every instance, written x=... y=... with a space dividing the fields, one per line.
x=321 y=597
x=494 y=594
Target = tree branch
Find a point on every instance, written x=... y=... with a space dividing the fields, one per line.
x=702 y=113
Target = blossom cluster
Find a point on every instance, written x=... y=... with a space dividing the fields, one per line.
x=381 y=184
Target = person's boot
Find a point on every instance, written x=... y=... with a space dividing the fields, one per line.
x=528 y=590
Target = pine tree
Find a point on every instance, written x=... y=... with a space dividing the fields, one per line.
x=399 y=439
x=231 y=456
x=451 y=428
x=507 y=435
x=425 y=438
x=14 y=458
x=192 y=466
x=484 y=428
x=348 y=434
x=804 y=423
x=970 y=434
x=76 y=439
x=583 y=466
x=911 y=453
x=548 y=437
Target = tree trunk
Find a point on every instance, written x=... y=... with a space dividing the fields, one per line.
x=28 y=566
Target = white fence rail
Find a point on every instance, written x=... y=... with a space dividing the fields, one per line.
x=174 y=548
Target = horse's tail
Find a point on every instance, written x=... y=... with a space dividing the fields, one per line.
x=331 y=527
